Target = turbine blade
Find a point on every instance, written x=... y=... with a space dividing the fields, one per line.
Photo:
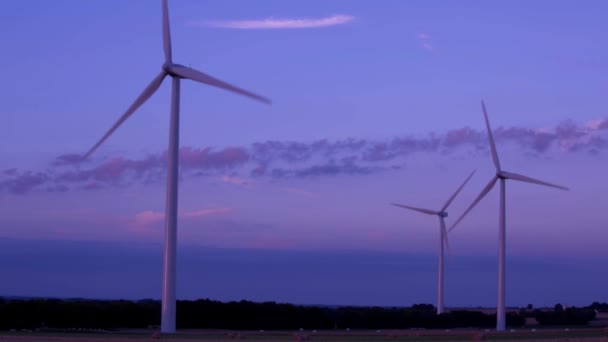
x=445 y=236
x=447 y=204
x=143 y=97
x=424 y=211
x=166 y=33
x=201 y=77
x=492 y=145
x=522 y=178
x=479 y=197
x=448 y=250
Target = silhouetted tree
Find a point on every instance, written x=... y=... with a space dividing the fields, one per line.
x=569 y=316
x=204 y=313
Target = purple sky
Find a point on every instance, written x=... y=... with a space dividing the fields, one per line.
x=372 y=104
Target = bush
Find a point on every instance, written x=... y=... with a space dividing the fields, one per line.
x=569 y=316
x=113 y=314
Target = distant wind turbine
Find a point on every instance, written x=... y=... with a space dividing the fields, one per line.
x=177 y=72
x=443 y=237
x=503 y=176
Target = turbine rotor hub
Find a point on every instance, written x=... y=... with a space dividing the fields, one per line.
x=167 y=68
x=443 y=214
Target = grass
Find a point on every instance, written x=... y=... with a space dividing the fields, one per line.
x=582 y=334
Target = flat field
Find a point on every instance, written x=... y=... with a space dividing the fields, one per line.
x=579 y=334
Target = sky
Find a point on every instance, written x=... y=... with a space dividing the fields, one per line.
x=372 y=104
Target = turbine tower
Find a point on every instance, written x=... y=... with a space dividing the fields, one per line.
x=176 y=72
x=443 y=237
x=502 y=176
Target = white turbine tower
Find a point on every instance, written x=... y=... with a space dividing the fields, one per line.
x=176 y=72
x=443 y=238
x=502 y=176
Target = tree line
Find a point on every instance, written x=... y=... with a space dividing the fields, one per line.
x=246 y=315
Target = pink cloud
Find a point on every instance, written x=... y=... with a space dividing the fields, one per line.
x=289 y=159
x=236 y=181
x=207 y=212
x=148 y=217
x=278 y=23
x=425 y=41
x=206 y=158
x=465 y=135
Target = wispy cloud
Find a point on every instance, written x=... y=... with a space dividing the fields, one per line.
x=69 y=158
x=236 y=181
x=145 y=219
x=424 y=40
x=300 y=160
x=206 y=212
x=277 y=23
x=22 y=182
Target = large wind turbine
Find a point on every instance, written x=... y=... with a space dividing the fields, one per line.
x=502 y=176
x=176 y=72
x=443 y=237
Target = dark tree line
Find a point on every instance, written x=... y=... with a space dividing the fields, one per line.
x=568 y=316
x=56 y=313
x=600 y=307
x=245 y=315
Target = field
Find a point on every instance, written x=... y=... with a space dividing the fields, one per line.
x=579 y=334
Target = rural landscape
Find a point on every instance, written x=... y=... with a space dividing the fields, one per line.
x=143 y=198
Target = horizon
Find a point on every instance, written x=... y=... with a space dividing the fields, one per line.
x=347 y=277
x=371 y=105
x=330 y=306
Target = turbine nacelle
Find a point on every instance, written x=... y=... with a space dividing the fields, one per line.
x=504 y=175
x=443 y=214
x=177 y=70
x=166 y=67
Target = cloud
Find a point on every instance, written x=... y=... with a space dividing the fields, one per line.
x=329 y=169
x=21 y=183
x=148 y=217
x=68 y=159
x=424 y=40
x=236 y=181
x=278 y=23
x=302 y=160
x=145 y=219
x=207 y=212
x=206 y=158
x=10 y=172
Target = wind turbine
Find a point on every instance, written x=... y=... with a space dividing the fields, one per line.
x=443 y=237
x=502 y=176
x=176 y=72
